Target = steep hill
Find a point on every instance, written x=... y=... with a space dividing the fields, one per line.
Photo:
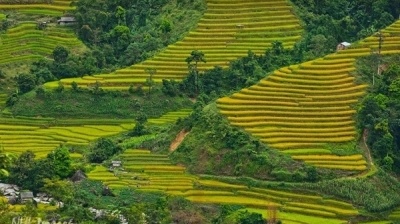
x=303 y=109
x=228 y=30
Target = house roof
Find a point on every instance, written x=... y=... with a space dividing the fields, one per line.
x=346 y=44
x=67 y=19
x=78 y=176
x=26 y=194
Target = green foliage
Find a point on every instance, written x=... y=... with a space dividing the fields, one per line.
x=25 y=82
x=246 y=217
x=378 y=111
x=103 y=149
x=29 y=210
x=376 y=194
x=85 y=104
x=6 y=160
x=60 y=190
x=213 y=146
x=137 y=207
x=60 y=54
x=241 y=73
x=126 y=32
x=61 y=162
x=335 y=21
x=30 y=173
x=6 y=214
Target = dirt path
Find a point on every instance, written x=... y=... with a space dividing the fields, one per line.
x=178 y=140
x=367 y=153
x=366 y=148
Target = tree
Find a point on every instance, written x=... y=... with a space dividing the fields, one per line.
x=121 y=16
x=195 y=57
x=139 y=128
x=250 y=218
x=60 y=190
x=23 y=171
x=60 y=54
x=6 y=160
x=103 y=149
x=26 y=82
x=61 y=162
x=149 y=81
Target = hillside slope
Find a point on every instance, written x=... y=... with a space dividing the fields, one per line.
x=24 y=41
x=302 y=109
x=148 y=171
x=228 y=30
x=53 y=8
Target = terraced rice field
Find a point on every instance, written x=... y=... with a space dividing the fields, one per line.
x=227 y=31
x=26 y=43
x=56 y=8
x=395 y=215
x=147 y=171
x=43 y=135
x=170 y=117
x=300 y=108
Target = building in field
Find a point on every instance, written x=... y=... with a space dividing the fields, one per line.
x=26 y=196
x=342 y=46
x=66 y=21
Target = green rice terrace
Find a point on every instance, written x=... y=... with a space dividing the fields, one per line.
x=305 y=114
x=25 y=42
x=47 y=8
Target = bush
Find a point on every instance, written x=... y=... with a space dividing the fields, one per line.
x=102 y=150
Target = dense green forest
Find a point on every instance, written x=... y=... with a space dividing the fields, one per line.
x=379 y=111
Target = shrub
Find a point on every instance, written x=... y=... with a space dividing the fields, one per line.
x=102 y=150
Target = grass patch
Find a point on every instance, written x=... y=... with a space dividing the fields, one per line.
x=69 y=104
x=296 y=218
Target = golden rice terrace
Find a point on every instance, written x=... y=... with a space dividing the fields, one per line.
x=301 y=108
x=227 y=31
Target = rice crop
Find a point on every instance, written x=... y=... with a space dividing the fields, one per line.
x=226 y=31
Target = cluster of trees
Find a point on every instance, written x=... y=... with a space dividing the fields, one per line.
x=379 y=112
x=214 y=147
x=102 y=150
x=64 y=65
x=330 y=22
x=31 y=173
x=241 y=73
x=125 y=32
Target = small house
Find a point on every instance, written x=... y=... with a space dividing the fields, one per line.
x=78 y=176
x=239 y=26
x=26 y=196
x=66 y=21
x=116 y=164
x=342 y=46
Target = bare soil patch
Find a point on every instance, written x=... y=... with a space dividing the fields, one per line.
x=178 y=140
